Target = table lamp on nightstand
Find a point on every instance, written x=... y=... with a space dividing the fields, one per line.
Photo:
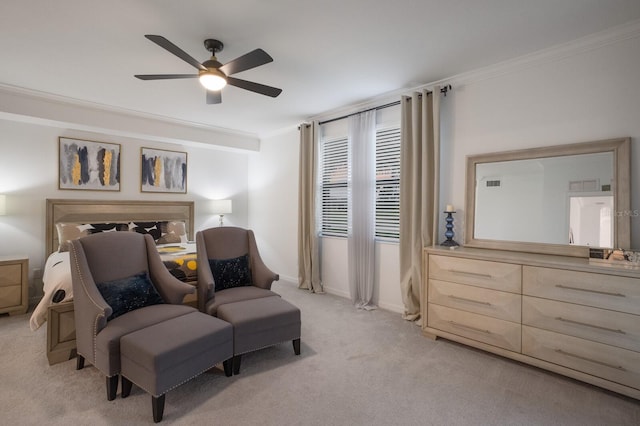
x=221 y=207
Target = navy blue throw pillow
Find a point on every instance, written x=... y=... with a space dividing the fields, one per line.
x=127 y=294
x=228 y=273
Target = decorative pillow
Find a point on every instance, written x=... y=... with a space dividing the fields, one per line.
x=151 y=228
x=127 y=294
x=162 y=232
x=228 y=273
x=72 y=231
x=173 y=232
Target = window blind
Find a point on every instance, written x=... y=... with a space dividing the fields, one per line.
x=333 y=187
x=333 y=183
x=388 y=184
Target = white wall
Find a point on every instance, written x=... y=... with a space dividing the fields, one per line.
x=583 y=95
x=273 y=212
x=29 y=175
x=335 y=272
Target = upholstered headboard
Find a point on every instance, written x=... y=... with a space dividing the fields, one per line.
x=99 y=211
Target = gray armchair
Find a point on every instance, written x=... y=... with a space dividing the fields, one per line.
x=259 y=316
x=225 y=243
x=103 y=258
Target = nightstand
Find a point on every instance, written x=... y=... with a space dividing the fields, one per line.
x=14 y=284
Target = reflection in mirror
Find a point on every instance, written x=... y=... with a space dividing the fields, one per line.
x=529 y=200
x=556 y=200
x=590 y=221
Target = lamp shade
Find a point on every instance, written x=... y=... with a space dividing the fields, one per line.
x=3 y=204
x=221 y=206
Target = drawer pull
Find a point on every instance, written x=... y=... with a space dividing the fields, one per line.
x=617 y=367
x=456 y=324
x=590 y=291
x=475 y=274
x=464 y=299
x=599 y=327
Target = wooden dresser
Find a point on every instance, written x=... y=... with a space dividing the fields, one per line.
x=563 y=314
x=14 y=284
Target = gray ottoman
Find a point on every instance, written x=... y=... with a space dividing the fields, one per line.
x=258 y=323
x=165 y=355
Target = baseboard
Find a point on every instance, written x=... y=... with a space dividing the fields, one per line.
x=399 y=309
x=288 y=279
x=336 y=292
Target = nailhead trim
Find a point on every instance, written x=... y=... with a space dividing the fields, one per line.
x=181 y=383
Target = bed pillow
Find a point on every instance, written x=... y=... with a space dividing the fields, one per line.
x=128 y=294
x=228 y=273
x=165 y=232
x=173 y=232
x=72 y=231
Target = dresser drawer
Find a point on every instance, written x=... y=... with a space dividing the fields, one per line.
x=496 y=332
x=11 y=296
x=479 y=273
x=599 y=325
x=584 y=288
x=608 y=362
x=493 y=303
x=10 y=275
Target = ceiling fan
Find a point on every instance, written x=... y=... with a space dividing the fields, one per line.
x=212 y=74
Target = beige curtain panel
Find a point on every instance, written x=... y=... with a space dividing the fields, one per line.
x=308 y=251
x=419 y=183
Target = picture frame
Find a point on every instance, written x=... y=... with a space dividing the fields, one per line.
x=163 y=171
x=88 y=165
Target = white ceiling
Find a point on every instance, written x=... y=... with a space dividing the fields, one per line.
x=327 y=54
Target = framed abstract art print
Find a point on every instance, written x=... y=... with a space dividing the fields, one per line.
x=88 y=165
x=163 y=171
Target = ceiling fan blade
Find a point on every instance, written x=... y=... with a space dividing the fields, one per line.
x=254 y=87
x=164 y=76
x=214 y=97
x=166 y=44
x=253 y=59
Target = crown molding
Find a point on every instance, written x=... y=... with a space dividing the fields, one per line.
x=54 y=110
x=555 y=53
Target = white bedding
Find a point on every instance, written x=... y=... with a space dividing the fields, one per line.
x=57 y=276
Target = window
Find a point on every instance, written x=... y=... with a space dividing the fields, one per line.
x=333 y=185
x=388 y=184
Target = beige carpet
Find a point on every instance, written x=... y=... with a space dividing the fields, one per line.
x=356 y=368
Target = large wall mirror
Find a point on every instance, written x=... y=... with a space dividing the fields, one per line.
x=559 y=200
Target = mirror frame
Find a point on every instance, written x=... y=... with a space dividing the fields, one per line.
x=621 y=149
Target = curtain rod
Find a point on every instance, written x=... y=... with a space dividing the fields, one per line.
x=443 y=90
x=359 y=112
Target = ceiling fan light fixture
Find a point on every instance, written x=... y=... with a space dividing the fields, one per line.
x=211 y=73
x=212 y=80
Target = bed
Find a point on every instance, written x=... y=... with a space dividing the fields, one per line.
x=56 y=307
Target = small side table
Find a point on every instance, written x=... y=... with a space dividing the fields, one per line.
x=14 y=284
